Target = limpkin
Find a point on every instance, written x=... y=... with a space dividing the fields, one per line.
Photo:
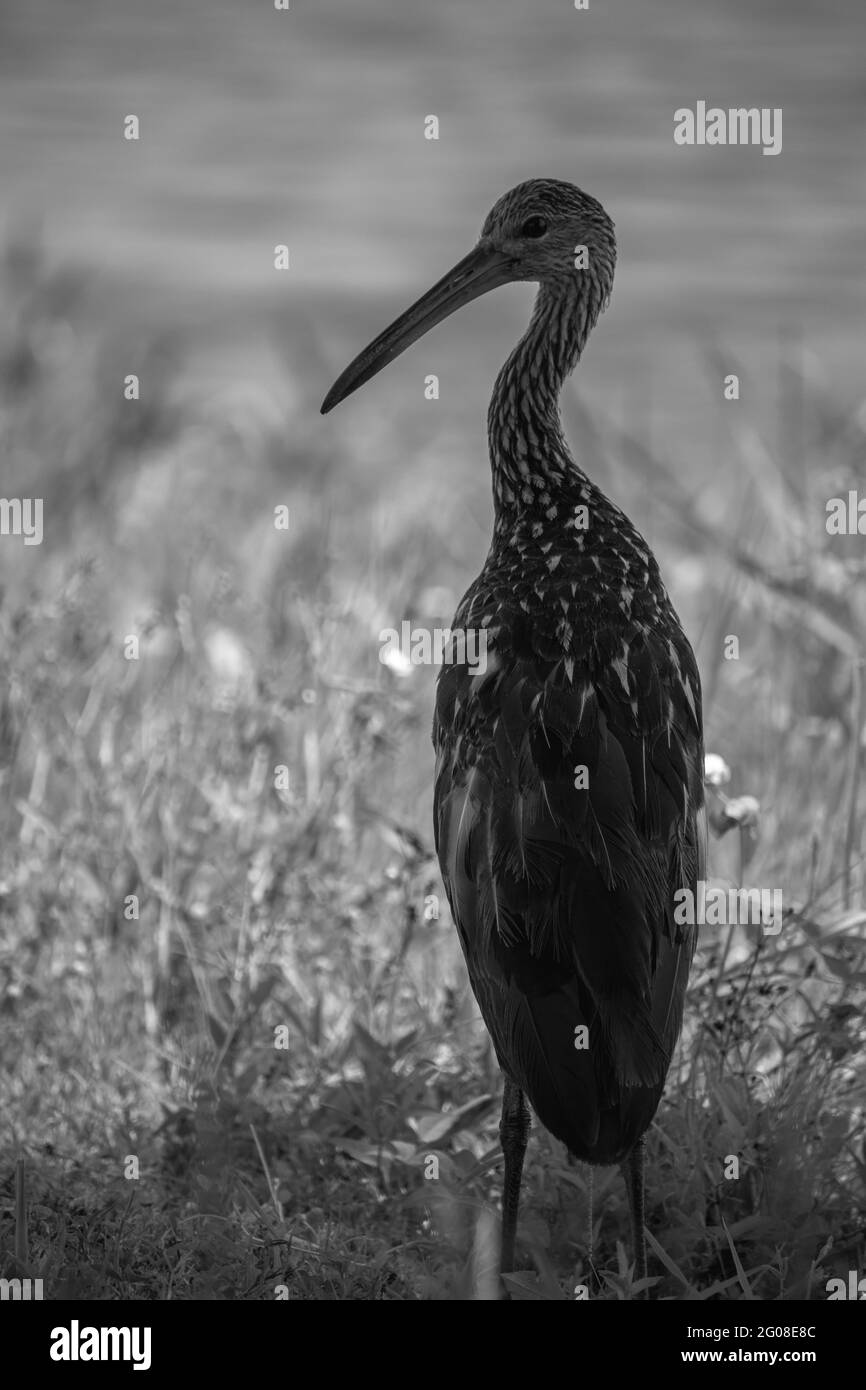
x=568 y=794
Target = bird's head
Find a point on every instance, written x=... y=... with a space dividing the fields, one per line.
x=552 y=233
x=543 y=230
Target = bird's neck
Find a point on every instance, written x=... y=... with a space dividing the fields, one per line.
x=530 y=460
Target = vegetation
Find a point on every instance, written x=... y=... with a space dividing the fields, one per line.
x=241 y=1051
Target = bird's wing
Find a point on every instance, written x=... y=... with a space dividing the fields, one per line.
x=568 y=806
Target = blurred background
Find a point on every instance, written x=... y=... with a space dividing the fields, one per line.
x=167 y=900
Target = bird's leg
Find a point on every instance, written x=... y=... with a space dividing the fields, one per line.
x=633 y=1173
x=514 y=1136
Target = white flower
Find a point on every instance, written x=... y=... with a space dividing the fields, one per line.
x=716 y=770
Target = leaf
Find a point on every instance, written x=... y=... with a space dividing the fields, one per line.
x=741 y=1273
x=432 y=1128
x=666 y=1260
x=361 y=1150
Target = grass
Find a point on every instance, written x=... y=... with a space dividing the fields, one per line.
x=245 y=1061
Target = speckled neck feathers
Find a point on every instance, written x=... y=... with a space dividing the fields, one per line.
x=529 y=457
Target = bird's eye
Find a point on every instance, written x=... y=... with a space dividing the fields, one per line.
x=533 y=227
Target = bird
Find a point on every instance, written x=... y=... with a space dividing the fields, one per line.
x=568 y=796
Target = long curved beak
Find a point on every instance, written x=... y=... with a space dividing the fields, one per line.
x=483 y=269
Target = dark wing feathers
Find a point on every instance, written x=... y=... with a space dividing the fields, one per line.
x=562 y=894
